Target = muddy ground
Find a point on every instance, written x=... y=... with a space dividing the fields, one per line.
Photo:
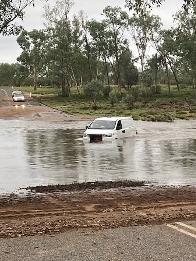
x=55 y=209
x=58 y=209
x=33 y=110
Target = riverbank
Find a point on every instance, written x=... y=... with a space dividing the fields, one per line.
x=158 y=107
x=54 y=209
x=162 y=107
x=159 y=110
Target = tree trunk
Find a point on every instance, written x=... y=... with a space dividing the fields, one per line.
x=142 y=72
x=34 y=79
x=194 y=83
x=65 y=87
x=175 y=75
x=74 y=79
x=168 y=77
x=88 y=57
x=193 y=79
x=107 y=71
x=156 y=73
x=117 y=61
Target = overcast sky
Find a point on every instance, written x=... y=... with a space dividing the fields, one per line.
x=9 y=49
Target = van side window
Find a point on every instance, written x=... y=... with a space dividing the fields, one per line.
x=119 y=126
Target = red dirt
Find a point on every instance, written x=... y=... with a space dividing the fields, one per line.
x=97 y=209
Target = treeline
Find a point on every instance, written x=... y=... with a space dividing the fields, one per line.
x=75 y=51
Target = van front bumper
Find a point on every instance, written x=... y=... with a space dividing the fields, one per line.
x=94 y=138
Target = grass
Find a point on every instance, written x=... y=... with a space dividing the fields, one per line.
x=162 y=107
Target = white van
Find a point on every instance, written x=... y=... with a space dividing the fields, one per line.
x=106 y=128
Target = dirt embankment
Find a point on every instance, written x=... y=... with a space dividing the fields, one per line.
x=57 y=209
x=32 y=110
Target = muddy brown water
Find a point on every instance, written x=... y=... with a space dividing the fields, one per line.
x=35 y=153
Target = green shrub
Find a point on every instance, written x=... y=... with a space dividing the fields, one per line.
x=158 y=89
x=106 y=91
x=93 y=90
x=113 y=97
x=135 y=92
x=129 y=100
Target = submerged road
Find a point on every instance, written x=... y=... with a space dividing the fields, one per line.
x=176 y=242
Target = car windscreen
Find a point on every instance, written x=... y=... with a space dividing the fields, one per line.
x=102 y=125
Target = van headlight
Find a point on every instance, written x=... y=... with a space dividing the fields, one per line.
x=84 y=135
x=108 y=135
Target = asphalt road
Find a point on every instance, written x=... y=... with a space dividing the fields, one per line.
x=158 y=243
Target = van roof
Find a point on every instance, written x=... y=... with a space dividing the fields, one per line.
x=114 y=118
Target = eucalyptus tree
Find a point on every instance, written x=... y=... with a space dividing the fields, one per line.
x=100 y=41
x=59 y=43
x=10 y=11
x=33 y=53
x=7 y=72
x=86 y=43
x=128 y=71
x=168 y=47
x=185 y=37
x=143 y=27
x=78 y=66
x=139 y=5
x=116 y=23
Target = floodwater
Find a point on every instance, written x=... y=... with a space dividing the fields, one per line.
x=37 y=153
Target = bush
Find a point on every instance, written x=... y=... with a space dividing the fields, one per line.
x=153 y=89
x=158 y=89
x=135 y=92
x=129 y=100
x=93 y=89
x=106 y=91
x=113 y=97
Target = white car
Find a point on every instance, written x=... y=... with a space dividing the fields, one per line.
x=18 y=96
x=103 y=129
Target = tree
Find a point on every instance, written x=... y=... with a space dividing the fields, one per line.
x=143 y=27
x=139 y=5
x=167 y=46
x=59 y=43
x=93 y=90
x=33 y=54
x=100 y=39
x=87 y=44
x=185 y=38
x=153 y=66
x=10 y=10
x=116 y=22
x=7 y=72
x=128 y=72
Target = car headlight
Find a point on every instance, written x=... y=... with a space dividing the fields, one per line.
x=84 y=135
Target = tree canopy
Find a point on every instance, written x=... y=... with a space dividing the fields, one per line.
x=139 y=5
x=10 y=10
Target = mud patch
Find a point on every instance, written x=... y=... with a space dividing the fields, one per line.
x=86 y=186
x=58 y=211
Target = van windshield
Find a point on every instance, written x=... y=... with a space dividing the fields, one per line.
x=103 y=125
x=18 y=95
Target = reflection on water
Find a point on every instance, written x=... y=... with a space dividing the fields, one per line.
x=41 y=154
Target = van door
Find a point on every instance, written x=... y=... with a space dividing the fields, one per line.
x=127 y=128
